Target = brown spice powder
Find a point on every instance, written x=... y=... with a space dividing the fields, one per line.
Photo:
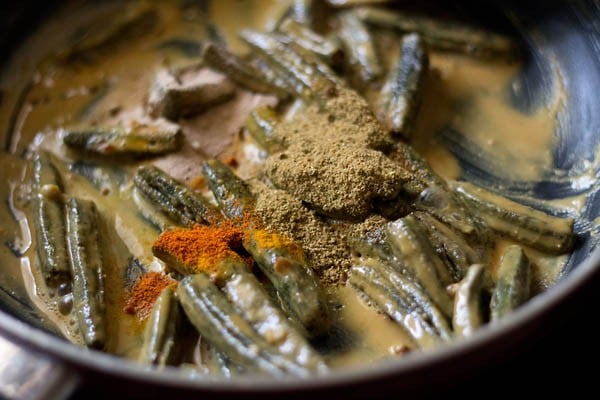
x=332 y=158
x=324 y=241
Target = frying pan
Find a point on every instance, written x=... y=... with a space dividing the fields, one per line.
x=36 y=363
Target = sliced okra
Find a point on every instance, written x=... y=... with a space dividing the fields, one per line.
x=174 y=198
x=240 y=71
x=359 y=49
x=218 y=321
x=469 y=313
x=138 y=140
x=84 y=243
x=402 y=91
x=49 y=221
x=161 y=333
x=443 y=34
x=416 y=254
x=282 y=260
x=522 y=223
x=513 y=282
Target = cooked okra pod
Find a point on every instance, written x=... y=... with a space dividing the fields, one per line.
x=174 y=198
x=377 y=254
x=468 y=313
x=141 y=140
x=217 y=320
x=282 y=260
x=49 y=221
x=83 y=240
x=240 y=71
x=306 y=78
x=163 y=326
x=150 y=212
x=326 y=48
x=416 y=254
x=398 y=305
x=512 y=282
x=412 y=292
x=401 y=94
x=253 y=302
x=260 y=124
x=444 y=35
x=427 y=191
x=360 y=51
x=231 y=275
x=450 y=245
x=121 y=28
x=519 y=222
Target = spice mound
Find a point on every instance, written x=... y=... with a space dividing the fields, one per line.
x=201 y=248
x=333 y=159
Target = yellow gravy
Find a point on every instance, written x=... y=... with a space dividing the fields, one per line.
x=114 y=88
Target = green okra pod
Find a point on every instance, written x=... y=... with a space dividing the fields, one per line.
x=522 y=223
x=282 y=260
x=450 y=245
x=139 y=140
x=469 y=313
x=400 y=97
x=444 y=34
x=150 y=212
x=217 y=320
x=245 y=291
x=512 y=283
x=360 y=51
x=84 y=243
x=240 y=71
x=377 y=290
x=160 y=346
x=416 y=254
x=49 y=221
x=174 y=198
x=306 y=78
x=231 y=274
x=108 y=34
x=327 y=48
x=260 y=124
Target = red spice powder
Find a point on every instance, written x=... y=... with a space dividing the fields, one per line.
x=201 y=247
x=144 y=293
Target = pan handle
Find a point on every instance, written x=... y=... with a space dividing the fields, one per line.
x=27 y=375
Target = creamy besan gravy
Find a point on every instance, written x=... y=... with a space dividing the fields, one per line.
x=114 y=88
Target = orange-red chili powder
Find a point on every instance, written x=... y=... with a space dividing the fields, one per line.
x=202 y=247
x=144 y=293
